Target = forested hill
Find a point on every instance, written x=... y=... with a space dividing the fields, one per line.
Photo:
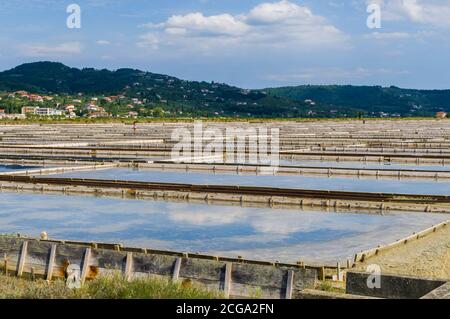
x=217 y=99
x=371 y=99
x=170 y=93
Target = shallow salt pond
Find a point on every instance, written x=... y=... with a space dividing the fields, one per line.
x=255 y=233
x=406 y=186
x=363 y=165
x=4 y=168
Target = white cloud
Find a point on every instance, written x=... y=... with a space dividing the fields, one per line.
x=419 y=36
x=281 y=25
x=283 y=12
x=388 y=35
x=431 y=12
x=46 y=50
x=149 y=40
x=103 y=42
x=196 y=24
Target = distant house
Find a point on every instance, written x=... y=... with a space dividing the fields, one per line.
x=99 y=114
x=441 y=115
x=43 y=111
x=29 y=110
x=36 y=98
x=69 y=108
x=91 y=107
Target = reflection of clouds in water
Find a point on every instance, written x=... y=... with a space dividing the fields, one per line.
x=331 y=251
x=281 y=222
x=113 y=228
x=260 y=233
x=283 y=181
x=299 y=222
x=208 y=216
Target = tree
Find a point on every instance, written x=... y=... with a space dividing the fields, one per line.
x=158 y=112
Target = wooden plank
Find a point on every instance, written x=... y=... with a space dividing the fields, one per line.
x=289 y=284
x=264 y=276
x=85 y=266
x=176 y=269
x=321 y=273
x=51 y=263
x=200 y=269
x=128 y=266
x=22 y=258
x=232 y=278
x=227 y=280
x=338 y=271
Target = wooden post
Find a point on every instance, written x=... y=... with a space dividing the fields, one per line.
x=85 y=266
x=322 y=273
x=289 y=284
x=338 y=271
x=227 y=282
x=22 y=259
x=128 y=266
x=6 y=265
x=51 y=263
x=33 y=274
x=176 y=269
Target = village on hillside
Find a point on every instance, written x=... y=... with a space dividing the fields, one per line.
x=21 y=105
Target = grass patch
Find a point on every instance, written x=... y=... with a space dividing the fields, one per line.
x=328 y=286
x=106 y=287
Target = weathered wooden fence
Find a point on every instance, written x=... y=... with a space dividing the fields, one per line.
x=235 y=277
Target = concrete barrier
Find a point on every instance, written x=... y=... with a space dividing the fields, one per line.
x=391 y=286
x=442 y=292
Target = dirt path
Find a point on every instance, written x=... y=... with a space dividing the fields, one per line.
x=427 y=257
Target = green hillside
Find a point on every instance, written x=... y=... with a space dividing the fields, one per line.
x=371 y=99
x=217 y=99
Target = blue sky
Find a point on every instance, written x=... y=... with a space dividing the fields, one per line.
x=249 y=43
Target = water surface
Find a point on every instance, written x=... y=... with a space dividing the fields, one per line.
x=255 y=233
x=13 y=167
x=363 y=165
x=406 y=186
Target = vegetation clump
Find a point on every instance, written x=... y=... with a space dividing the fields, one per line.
x=105 y=287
